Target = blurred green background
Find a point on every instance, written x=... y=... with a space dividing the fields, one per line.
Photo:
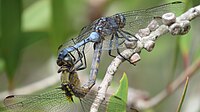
x=32 y=30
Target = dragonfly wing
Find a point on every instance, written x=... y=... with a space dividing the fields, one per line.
x=50 y=101
x=84 y=33
x=113 y=44
x=138 y=19
x=117 y=103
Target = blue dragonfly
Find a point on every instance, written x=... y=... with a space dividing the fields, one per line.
x=111 y=32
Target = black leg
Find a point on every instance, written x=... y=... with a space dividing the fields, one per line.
x=74 y=59
x=82 y=55
x=110 y=46
x=117 y=45
x=79 y=59
x=122 y=31
x=82 y=65
x=71 y=55
x=83 y=62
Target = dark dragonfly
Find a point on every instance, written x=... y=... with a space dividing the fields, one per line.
x=70 y=97
x=112 y=32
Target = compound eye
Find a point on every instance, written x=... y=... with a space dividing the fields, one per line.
x=59 y=62
x=68 y=61
x=67 y=58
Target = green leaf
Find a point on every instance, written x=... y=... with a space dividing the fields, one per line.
x=2 y=64
x=122 y=91
x=31 y=37
x=120 y=97
x=10 y=33
x=12 y=39
x=59 y=26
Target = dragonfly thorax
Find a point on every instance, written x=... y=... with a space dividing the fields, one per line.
x=120 y=20
x=105 y=26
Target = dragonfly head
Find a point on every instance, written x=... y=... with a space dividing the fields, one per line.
x=66 y=61
x=66 y=64
x=120 y=20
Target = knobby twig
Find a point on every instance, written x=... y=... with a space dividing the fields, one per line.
x=177 y=26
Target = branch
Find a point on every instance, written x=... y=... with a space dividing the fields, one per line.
x=177 y=26
x=190 y=71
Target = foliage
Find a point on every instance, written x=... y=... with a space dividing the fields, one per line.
x=122 y=93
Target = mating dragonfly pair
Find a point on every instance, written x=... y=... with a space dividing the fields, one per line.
x=106 y=33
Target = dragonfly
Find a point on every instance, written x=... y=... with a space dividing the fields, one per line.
x=112 y=31
x=70 y=97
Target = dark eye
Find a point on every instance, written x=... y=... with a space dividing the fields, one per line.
x=59 y=62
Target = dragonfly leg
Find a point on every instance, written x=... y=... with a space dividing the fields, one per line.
x=74 y=48
x=83 y=62
x=117 y=45
x=122 y=32
x=79 y=59
x=110 y=46
x=82 y=65
x=74 y=59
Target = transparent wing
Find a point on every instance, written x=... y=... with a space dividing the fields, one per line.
x=113 y=44
x=56 y=101
x=117 y=103
x=82 y=48
x=138 y=19
x=84 y=33
x=50 y=101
